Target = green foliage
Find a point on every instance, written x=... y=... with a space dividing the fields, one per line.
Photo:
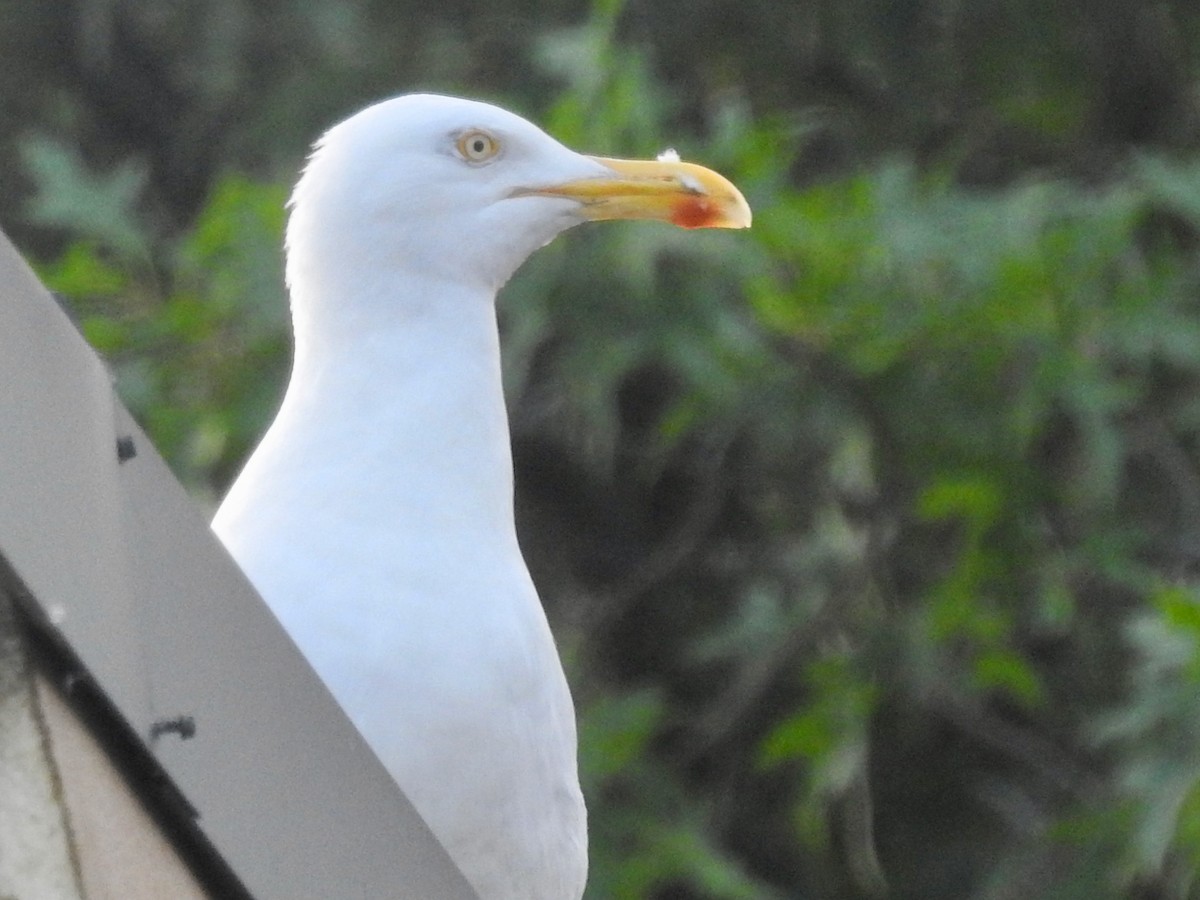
x=198 y=343
x=829 y=737
x=655 y=835
x=89 y=205
x=1157 y=735
x=1017 y=348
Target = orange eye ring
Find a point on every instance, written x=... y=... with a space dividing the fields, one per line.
x=477 y=146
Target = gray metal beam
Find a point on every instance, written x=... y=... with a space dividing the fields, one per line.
x=124 y=571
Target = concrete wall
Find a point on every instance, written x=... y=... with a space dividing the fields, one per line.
x=70 y=829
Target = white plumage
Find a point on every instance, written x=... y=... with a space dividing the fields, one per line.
x=376 y=516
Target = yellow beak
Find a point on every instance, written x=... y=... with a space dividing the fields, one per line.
x=665 y=189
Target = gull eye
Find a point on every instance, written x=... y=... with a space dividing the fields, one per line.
x=477 y=146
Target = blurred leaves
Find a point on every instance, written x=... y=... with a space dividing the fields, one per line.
x=95 y=206
x=197 y=340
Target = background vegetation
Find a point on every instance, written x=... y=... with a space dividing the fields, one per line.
x=871 y=536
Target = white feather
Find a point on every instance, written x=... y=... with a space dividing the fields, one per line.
x=376 y=516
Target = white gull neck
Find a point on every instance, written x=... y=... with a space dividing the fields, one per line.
x=376 y=519
x=394 y=422
x=400 y=387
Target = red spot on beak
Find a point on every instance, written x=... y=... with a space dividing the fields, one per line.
x=695 y=212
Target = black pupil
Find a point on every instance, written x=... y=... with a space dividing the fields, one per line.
x=478 y=145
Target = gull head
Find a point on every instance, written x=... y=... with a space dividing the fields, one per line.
x=457 y=190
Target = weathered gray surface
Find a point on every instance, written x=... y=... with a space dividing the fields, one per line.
x=35 y=852
x=129 y=573
x=70 y=827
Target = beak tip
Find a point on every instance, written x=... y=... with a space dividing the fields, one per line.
x=742 y=216
x=736 y=213
x=721 y=205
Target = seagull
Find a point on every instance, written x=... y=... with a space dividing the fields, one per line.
x=376 y=516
